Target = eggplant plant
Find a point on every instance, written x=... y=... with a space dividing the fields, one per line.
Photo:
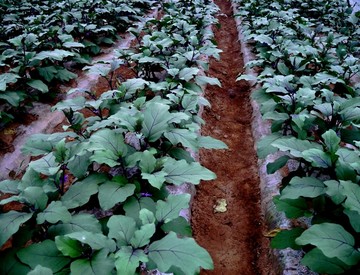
x=307 y=55
x=96 y=199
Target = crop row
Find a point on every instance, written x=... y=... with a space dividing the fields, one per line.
x=307 y=57
x=43 y=42
x=95 y=199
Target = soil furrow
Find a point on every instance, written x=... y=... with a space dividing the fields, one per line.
x=233 y=238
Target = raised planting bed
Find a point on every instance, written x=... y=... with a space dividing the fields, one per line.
x=94 y=199
x=307 y=65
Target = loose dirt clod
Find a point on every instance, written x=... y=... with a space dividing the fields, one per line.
x=234 y=238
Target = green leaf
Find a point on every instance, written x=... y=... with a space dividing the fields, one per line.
x=156 y=179
x=204 y=80
x=155 y=121
x=48 y=73
x=183 y=253
x=56 y=54
x=74 y=104
x=308 y=187
x=262 y=38
x=277 y=164
x=111 y=193
x=35 y=196
x=335 y=191
x=179 y=172
x=331 y=141
x=134 y=84
x=147 y=162
x=294 y=145
x=73 y=45
x=110 y=141
x=128 y=260
x=54 y=213
x=47 y=165
x=188 y=73
x=170 y=209
x=96 y=241
x=142 y=236
x=292 y=208
x=6 y=78
x=14 y=98
x=122 y=229
x=354 y=218
x=133 y=207
x=105 y=157
x=80 y=192
x=211 y=143
x=9 y=187
x=79 y=222
x=179 y=225
x=100 y=263
x=264 y=146
x=352 y=193
x=286 y=238
x=146 y=216
x=185 y=137
x=10 y=223
x=333 y=241
x=45 y=254
x=40 y=270
x=10 y=263
x=65 y=75
x=318 y=158
x=38 y=85
x=318 y=262
x=68 y=246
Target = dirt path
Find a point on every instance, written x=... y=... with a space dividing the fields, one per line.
x=234 y=238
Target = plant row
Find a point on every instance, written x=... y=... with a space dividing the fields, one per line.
x=43 y=42
x=95 y=199
x=307 y=57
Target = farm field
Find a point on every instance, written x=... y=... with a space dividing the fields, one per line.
x=179 y=137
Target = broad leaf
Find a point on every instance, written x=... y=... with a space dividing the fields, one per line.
x=318 y=262
x=307 y=187
x=46 y=165
x=331 y=140
x=183 y=253
x=68 y=246
x=318 y=158
x=142 y=236
x=352 y=193
x=335 y=191
x=292 y=208
x=78 y=223
x=80 y=192
x=122 y=229
x=179 y=172
x=111 y=193
x=155 y=121
x=54 y=213
x=96 y=241
x=170 y=209
x=333 y=240
x=286 y=238
x=128 y=260
x=45 y=254
x=40 y=270
x=38 y=85
x=10 y=223
x=99 y=263
x=294 y=145
x=179 y=225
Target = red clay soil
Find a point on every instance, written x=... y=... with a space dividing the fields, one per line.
x=233 y=238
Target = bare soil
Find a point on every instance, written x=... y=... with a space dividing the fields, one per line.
x=234 y=238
